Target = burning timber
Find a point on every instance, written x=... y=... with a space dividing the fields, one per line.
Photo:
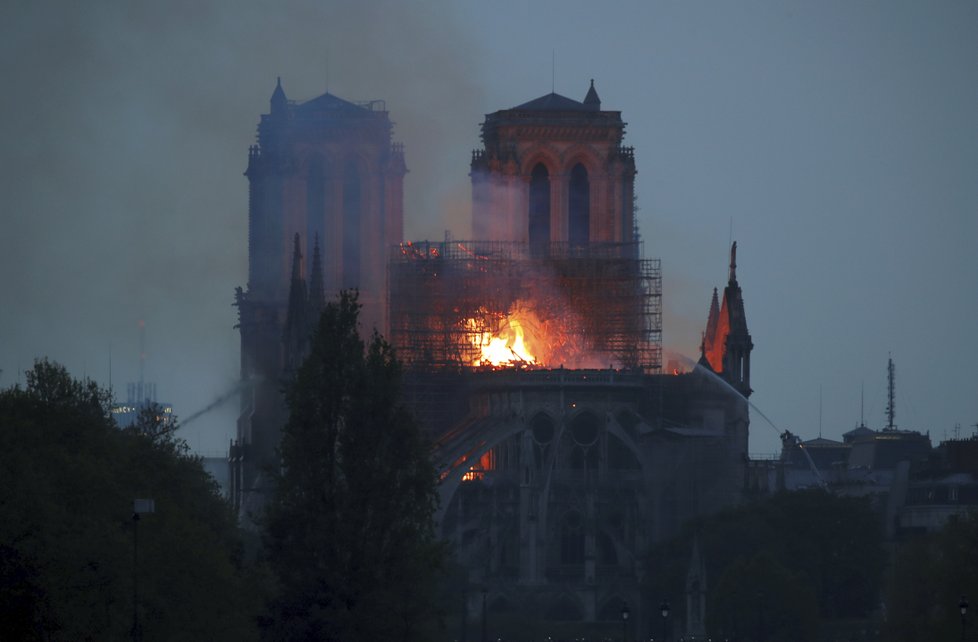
x=490 y=305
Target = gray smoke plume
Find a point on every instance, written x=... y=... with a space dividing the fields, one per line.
x=125 y=130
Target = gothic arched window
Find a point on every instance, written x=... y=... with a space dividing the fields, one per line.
x=539 y=207
x=579 y=207
x=352 y=213
x=572 y=538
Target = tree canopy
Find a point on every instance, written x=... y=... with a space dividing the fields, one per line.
x=930 y=575
x=815 y=556
x=349 y=531
x=66 y=528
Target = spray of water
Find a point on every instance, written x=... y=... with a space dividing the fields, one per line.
x=693 y=366
x=219 y=401
x=783 y=434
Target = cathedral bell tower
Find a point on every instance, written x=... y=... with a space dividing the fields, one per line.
x=553 y=170
x=325 y=180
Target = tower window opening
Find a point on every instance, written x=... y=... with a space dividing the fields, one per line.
x=579 y=207
x=539 y=215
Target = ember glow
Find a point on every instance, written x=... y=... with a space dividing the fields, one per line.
x=486 y=464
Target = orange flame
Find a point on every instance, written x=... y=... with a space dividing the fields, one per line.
x=510 y=342
x=522 y=337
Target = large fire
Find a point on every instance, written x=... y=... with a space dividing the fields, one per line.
x=523 y=338
x=509 y=340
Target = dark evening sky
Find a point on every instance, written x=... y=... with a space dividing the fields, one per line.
x=837 y=141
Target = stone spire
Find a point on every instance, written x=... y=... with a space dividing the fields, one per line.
x=727 y=344
x=733 y=264
x=591 y=101
x=736 y=341
x=295 y=335
x=279 y=101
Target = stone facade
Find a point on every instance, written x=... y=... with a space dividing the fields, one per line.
x=555 y=482
x=324 y=174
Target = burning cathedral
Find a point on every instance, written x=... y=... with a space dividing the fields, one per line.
x=533 y=352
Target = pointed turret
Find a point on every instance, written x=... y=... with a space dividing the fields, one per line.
x=296 y=332
x=279 y=101
x=591 y=101
x=709 y=337
x=296 y=259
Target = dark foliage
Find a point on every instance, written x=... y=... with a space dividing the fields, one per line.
x=349 y=533
x=821 y=555
x=66 y=531
x=930 y=574
x=759 y=599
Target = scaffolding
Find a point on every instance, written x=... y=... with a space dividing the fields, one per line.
x=597 y=305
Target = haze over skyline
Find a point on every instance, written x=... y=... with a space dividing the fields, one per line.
x=836 y=142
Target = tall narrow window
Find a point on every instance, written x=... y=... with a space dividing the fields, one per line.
x=539 y=208
x=315 y=206
x=351 y=226
x=579 y=207
x=572 y=539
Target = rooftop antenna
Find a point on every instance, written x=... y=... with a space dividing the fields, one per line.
x=819 y=411
x=553 y=71
x=890 y=406
x=142 y=359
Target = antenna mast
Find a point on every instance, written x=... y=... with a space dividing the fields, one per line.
x=142 y=362
x=819 y=411
x=890 y=406
x=553 y=71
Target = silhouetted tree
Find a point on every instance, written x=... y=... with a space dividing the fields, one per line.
x=350 y=533
x=66 y=534
x=930 y=574
x=759 y=599
x=832 y=545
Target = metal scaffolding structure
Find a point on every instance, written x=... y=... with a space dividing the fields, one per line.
x=597 y=305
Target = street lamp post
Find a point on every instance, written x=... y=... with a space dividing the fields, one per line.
x=963 y=607
x=624 y=621
x=139 y=506
x=135 y=577
x=664 y=609
x=484 y=592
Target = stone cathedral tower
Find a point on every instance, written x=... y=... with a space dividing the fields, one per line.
x=553 y=170
x=325 y=172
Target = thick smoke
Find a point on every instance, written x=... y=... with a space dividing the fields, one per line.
x=125 y=130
